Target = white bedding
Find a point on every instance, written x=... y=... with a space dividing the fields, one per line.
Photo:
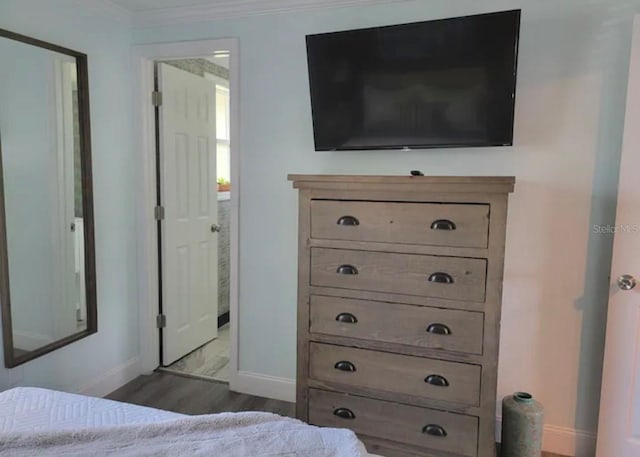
x=26 y=409
x=29 y=409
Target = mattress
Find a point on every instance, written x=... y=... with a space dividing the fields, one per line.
x=32 y=409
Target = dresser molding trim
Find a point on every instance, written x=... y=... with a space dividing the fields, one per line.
x=462 y=184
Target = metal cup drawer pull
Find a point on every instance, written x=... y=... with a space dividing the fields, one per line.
x=436 y=380
x=443 y=224
x=344 y=365
x=348 y=221
x=347 y=318
x=441 y=278
x=347 y=270
x=439 y=329
x=434 y=430
x=344 y=413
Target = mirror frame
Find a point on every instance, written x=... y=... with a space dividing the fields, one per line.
x=10 y=359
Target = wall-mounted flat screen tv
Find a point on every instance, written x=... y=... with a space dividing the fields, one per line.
x=443 y=83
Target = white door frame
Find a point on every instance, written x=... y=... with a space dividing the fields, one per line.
x=147 y=236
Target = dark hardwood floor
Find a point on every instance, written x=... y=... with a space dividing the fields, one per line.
x=184 y=395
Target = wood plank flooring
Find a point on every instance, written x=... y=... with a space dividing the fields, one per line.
x=184 y=395
x=179 y=394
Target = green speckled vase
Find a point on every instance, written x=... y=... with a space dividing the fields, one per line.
x=522 y=422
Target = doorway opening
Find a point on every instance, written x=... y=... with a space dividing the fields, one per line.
x=152 y=305
x=192 y=101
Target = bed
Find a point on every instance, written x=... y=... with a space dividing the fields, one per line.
x=68 y=424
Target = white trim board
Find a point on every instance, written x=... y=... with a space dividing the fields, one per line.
x=226 y=9
x=113 y=379
x=266 y=386
x=562 y=440
x=147 y=236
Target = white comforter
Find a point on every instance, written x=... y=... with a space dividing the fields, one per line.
x=221 y=435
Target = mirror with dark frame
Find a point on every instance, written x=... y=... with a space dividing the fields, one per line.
x=47 y=254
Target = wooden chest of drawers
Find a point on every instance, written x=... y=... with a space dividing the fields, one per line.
x=399 y=297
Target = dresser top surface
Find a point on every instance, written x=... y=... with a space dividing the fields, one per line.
x=492 y=183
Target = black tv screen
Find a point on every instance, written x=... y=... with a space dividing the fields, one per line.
x=443 y=83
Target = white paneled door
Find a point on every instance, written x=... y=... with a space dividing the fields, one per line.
x=189 y=196
x=619 y=426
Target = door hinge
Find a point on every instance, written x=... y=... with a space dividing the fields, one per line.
x=161 y=321
x=156 y=98
x=158 y=213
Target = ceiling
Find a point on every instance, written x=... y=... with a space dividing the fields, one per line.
x=162 y=12
x=146 y=5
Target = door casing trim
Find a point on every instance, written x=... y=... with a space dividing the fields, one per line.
x=144 y=57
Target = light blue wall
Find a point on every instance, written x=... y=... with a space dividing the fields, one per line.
x=73 y=24
x=570 y=111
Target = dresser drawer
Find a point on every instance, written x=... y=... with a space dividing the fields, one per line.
x=455 y=278
x=457 y=225
x=383 y=371
x=423 y=427
x=434 y=328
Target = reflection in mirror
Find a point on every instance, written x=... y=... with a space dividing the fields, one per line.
x=43 y=147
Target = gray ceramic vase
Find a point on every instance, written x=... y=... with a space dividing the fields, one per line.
x=522 y=423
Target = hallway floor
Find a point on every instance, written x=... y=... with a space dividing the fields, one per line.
x=210 y=361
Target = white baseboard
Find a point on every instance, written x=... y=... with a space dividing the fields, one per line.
x=113 y=379
x=262 y=385
x=562 y=440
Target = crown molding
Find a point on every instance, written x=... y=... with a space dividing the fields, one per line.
x=227 y=9
x=109 y=10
